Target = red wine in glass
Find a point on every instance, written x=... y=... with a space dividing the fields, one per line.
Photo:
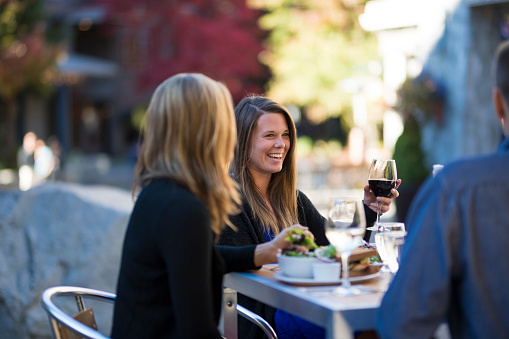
x=381 y=187
x=382 y=178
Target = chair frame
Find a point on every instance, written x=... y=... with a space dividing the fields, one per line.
x=57 y=316
x=257 y=320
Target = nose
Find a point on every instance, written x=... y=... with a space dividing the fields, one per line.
x=279 y=143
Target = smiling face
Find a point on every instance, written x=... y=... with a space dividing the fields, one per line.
x=270 y=143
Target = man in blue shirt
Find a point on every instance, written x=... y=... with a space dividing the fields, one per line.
x=453 y=265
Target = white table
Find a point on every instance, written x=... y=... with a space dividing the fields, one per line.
x=340 y=316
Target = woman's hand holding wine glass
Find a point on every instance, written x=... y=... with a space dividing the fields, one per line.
x=383 y=182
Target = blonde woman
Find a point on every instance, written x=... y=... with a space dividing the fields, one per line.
x=264 y=165
x=170 y=279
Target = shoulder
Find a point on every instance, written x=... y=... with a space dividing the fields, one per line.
x=477 y=171
x=302 y=198
x=304 y=203
x=163 y=190
x=171 y=200
x=479 y=181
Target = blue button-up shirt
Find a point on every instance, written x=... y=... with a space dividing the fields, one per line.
x=454 y=263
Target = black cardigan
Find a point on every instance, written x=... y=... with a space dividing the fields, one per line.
x=250 y=232
x=171 y=273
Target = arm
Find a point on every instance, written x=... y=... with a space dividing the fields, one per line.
x=238 y=258
x=184 y=240
x=254 y=256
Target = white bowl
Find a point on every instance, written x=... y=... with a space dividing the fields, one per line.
x=297 y=267
x=325 y=271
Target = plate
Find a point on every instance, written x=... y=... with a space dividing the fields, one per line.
x=310 y=281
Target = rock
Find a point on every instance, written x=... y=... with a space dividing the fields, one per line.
x=57 y=234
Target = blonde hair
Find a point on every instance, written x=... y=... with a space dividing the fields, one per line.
x=189 y=137
x=282 y=190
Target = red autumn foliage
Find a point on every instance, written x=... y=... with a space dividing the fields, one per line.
x=219 y=38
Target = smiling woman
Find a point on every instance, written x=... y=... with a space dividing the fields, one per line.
x=264 y=166
x=270 y=143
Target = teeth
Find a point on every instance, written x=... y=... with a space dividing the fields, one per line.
x=276 y=155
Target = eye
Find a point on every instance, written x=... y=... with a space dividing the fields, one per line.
x=269 y=135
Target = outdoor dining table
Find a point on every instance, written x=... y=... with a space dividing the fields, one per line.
x=340 y=316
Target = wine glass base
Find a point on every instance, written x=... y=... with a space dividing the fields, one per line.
x=352 y=290
x=375 y=228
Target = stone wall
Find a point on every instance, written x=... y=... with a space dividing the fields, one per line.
x=462 y=60
x=57 y=234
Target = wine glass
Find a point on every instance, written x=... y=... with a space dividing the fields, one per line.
x=382 y=178
x=380 y=239
x=393 y=243
x=344 y=227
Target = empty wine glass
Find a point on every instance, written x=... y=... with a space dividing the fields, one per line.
x=380 y=239
x=393 y=243
x=344 y=227
x=381 y=179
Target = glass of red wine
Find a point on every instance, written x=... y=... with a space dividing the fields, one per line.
x=382 y=178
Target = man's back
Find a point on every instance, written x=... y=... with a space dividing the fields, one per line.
x=453 y=262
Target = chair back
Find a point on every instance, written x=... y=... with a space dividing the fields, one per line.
x=258 y=321
x=81 y=324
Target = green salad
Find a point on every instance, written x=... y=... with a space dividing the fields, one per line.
x=300 y=238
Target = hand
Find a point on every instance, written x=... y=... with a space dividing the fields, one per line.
x=371 y=200
x=282 y=243
x=266 y=253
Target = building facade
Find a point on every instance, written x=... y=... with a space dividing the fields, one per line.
x=453 y=41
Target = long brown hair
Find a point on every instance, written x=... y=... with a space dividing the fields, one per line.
x=189 y=137
x=282 y=190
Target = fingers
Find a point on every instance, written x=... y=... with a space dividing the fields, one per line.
x=302 y=249
x=281 y=241
x=369 y=197
x=398 y=182
x=384 y=202
x=304 y=228
x=382 y=208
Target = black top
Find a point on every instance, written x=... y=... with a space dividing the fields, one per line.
x=170 y=281
x=250 y=232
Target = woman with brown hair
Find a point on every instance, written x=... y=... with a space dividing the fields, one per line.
x=170 y=280
x=264 y=165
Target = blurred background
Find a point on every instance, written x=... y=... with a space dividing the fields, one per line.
x=402 y=79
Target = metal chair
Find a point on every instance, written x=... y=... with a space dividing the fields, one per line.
x=83 y=323
x=65 y=326
x=257 y=320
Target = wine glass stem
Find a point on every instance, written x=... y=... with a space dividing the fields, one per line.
x=345 y=282
x=378 y=214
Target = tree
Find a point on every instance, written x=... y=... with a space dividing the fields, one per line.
x=218 y=38
x=314 y=45
x=28 y=57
